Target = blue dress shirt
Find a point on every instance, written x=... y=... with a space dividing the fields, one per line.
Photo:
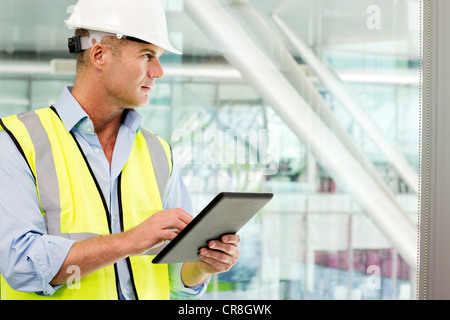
x=29 y=257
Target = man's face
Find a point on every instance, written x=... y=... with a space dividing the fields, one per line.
x=131 y=73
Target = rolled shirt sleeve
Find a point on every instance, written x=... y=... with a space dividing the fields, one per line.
x=46 y=255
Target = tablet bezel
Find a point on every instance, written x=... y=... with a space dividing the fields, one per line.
x=264 y=197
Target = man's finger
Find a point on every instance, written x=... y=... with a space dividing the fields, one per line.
x=231 y=238
x=229 y=248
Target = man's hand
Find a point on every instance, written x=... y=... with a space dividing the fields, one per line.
x=218 y=257
x=161 y=226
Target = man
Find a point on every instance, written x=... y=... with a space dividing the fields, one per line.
x=88 y=195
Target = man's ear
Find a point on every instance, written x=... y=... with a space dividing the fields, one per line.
x=97 y=55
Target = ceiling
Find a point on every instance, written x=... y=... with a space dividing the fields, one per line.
x=38 y=26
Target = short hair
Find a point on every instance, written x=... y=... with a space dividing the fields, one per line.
x=83 y=56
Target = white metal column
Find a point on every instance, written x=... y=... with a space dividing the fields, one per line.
x=434 y=275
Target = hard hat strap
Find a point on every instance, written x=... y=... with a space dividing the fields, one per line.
x=74 y=44
x=77 y=44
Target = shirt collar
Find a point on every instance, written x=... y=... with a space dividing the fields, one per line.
x=73 y=115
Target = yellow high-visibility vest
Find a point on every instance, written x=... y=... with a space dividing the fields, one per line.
x=73 y=206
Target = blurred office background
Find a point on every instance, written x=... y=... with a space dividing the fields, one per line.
x=316 y=101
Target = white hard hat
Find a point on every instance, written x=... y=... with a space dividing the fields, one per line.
x=144 y=20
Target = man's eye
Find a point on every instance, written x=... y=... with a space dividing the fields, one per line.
x=148 y=56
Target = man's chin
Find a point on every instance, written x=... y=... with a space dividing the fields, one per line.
x=143 y=102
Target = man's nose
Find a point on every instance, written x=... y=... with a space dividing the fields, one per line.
x=156 y=70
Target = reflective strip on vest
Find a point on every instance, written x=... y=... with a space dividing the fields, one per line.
x=160 y=162
x=48 y=181
x=45 y=171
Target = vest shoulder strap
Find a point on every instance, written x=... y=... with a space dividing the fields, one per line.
x=161 y=155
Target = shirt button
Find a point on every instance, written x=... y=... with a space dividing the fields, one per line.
x=89 y=130
x=97 y=150
x=125 y=291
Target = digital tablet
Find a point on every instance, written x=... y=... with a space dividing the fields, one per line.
x=227 y=213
